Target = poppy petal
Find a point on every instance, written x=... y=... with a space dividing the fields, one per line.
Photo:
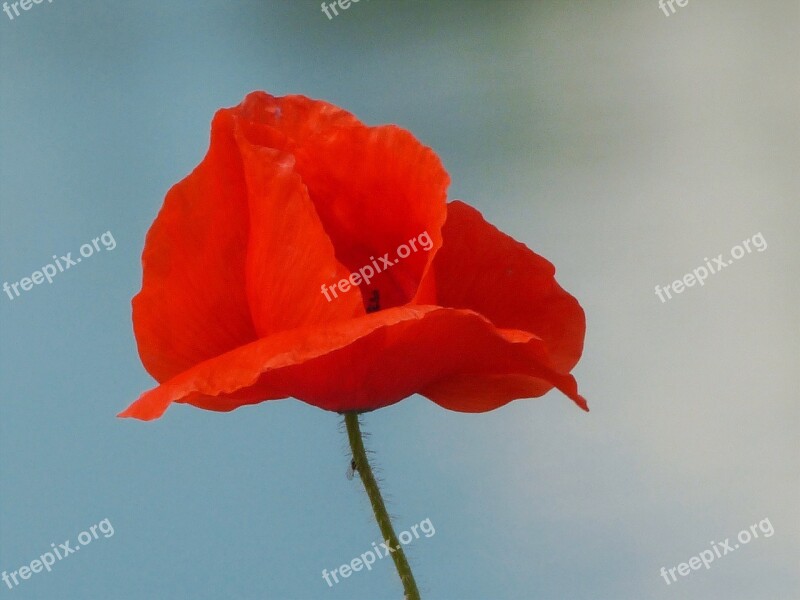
x=290 y=258
x=375 y=189
x=288 y=121
x=192 y=305
x=482 y=269
x=362 y=364
x=474 y=393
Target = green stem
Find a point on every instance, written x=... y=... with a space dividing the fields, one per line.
x=378 y=507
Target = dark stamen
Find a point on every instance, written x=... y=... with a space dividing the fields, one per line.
x=374 y=302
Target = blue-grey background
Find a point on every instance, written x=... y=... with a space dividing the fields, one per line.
x=622 y=144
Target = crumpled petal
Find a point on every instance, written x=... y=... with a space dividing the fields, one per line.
x=485 y=270
x=358 y=365
x=375 y=189
x=286 y=122
x=289 y=255
x=482 y=269
x=193 y=305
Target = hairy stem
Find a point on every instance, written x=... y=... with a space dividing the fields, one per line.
x=378 y=506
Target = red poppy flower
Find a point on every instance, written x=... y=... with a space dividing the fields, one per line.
x=295 y=195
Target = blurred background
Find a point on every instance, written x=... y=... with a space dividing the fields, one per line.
x=623 y=144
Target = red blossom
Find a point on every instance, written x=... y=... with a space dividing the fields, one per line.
x=296 y=193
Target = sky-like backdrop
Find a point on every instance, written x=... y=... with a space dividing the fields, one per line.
x=626 y=143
